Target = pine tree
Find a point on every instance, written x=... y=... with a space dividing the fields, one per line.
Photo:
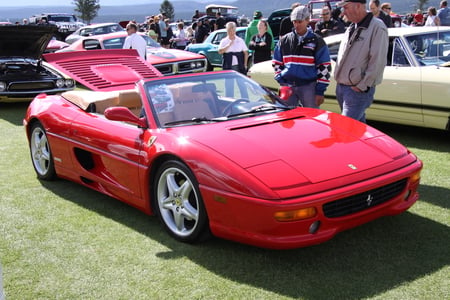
x=88 y=9
x=167 y=9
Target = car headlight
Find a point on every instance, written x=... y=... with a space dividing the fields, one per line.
x=60 y=83
x=196 y=64
x=70 y=83
x=2 y=86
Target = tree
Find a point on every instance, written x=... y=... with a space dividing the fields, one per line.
x=167 y=9
x=88 y=9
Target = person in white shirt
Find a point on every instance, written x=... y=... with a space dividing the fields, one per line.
x=432 y=18
x=135 y=41
x=234 y=50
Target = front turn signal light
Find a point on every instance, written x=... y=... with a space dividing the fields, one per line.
x=415 y=177
x=295 y=215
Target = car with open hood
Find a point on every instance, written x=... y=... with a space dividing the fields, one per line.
x=217 y=154
x=167 y=61
x=415 y=87
x=23 y=73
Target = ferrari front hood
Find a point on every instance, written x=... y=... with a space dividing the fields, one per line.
x=317 y=149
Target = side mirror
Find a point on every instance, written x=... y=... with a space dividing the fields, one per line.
x=285 y=92
x=121 y=113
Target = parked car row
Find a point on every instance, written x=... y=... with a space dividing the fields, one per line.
x=24 y=73
x=167 y=61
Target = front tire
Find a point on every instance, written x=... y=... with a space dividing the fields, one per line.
x=178 y=203
x=209 y=66
x=41 y=154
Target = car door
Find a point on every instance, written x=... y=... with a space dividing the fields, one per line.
x=108 y=154
x=214 y=57
x=399 y=96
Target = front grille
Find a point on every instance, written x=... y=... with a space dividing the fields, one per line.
x=31 y=86
x=191 y=66
x=363 y=201
x=165 y=69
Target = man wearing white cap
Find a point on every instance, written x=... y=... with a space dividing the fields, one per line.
x=361 y=59
x=302 y=61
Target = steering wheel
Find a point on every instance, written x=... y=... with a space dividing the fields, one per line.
x=229 y=108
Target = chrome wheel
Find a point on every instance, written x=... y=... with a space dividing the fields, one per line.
x=41 y=155
x=178 y=202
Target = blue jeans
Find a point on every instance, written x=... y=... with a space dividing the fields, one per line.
x=304 y=95
x=354 y=104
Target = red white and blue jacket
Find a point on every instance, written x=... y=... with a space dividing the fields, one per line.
x=297 y=63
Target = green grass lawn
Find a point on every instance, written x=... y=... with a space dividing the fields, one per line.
x=59 y=240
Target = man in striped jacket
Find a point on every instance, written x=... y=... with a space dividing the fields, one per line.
x=302 y=61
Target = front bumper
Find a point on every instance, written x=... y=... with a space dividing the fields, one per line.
x=251 y=221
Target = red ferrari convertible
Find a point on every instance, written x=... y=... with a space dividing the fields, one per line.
x=215 y=153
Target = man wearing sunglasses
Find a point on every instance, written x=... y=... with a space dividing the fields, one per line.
x=327 y=25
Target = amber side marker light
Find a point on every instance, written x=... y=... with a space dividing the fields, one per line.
x=415 y=177
x=295 y=215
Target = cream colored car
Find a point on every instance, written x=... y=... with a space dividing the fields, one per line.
x=416 y=85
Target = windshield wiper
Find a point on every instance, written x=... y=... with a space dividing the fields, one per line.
x=193 y=120
x=260 y=108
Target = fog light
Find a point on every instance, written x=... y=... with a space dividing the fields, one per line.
x=2 y=86
x=406 y=195
x=295 y=215
x=314 y=227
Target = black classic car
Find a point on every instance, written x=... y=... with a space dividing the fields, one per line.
x=23 y=73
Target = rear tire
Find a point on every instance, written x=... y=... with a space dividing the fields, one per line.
x=41 y=154
x=178 y=203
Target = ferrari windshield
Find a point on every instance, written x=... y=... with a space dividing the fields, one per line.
x=209 y=97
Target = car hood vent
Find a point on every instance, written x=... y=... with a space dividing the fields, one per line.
x=103 y=70
x=265 y=123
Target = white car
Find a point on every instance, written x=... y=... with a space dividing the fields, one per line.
x=95 y=29
x=416 y=84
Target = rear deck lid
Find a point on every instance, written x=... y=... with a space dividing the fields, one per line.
x=103 y=70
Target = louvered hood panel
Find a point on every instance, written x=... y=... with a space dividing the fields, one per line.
x=103 y=70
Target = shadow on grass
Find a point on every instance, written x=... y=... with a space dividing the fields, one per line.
x=416 y=137
x=438 y=196
x=13 y=112
x=359 y=263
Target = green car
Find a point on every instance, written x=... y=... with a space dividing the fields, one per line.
x=209 y=48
